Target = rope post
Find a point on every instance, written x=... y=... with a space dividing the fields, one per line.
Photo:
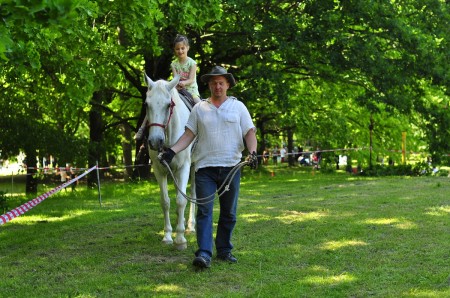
x=98 y=185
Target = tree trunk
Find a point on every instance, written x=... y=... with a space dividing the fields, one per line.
x=31 y=181
x=291 y=157
x=126 y=149
x=262 y=144
x=95 y=138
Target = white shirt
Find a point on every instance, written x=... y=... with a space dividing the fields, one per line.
x=220 y=132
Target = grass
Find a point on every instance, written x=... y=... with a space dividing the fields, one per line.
x=299 y=234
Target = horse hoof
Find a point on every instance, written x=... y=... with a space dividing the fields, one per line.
x=190 y=231
x=181 y=246
x=167 y=242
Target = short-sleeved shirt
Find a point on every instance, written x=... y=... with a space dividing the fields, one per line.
x=183 y=70
x=220 y=132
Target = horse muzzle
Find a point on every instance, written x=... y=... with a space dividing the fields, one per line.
x=156 y=144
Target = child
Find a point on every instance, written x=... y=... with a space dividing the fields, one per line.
x=184 y=66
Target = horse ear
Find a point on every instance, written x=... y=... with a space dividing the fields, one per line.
x=149 y=81
x=174 y=82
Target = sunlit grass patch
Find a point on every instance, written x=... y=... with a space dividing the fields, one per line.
x=168 y=289
x=335 y=245
x=31 y=219
x=420 y=293
x=255 y=217
x=439 y=210
x=291 y=216
x=395 y=222
x=329 y=279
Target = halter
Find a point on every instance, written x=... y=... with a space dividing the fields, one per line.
x=164 y=126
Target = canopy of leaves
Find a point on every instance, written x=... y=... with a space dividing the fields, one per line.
x=322 y=69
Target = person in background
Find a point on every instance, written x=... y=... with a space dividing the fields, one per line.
x=265 y=156
x=221 y=123
x=283 y=152
x=63 y=174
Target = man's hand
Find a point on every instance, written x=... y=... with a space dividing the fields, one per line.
x=252 y=160
x=166 y=156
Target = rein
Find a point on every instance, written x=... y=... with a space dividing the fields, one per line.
x=164 y=126
x=210 y=198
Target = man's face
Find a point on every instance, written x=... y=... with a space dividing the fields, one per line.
x=218 y=86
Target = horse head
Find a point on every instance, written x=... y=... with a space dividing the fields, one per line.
x=160 y=107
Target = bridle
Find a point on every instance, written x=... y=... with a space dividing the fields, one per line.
x=164 y=126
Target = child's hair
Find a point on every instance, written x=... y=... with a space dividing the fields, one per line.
x=181 y=38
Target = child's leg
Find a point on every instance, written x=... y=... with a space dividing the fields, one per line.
x=196 y=99
x=144 y=123
x=141 y=129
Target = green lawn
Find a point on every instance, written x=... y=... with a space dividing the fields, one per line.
x=299 y=234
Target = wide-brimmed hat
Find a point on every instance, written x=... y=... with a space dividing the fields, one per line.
x=219 y=71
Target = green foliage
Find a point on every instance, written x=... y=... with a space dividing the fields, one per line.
x=443 y=173
x=327 y=167
x=316 y=72
x=332 y=66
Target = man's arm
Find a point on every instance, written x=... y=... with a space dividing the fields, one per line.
x=186 y=138
x=250 y=140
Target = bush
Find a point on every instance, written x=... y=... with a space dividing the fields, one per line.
x=422 y=169
x=419 y=169
x=327 y=166
x=443 y=173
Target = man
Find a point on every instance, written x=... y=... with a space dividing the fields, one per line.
x=222 y=124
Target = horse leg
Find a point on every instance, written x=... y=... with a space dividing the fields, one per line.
x=165 y=205
x=180 y=240
x=191 y=220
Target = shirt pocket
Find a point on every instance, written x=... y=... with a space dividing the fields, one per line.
x=231 y=118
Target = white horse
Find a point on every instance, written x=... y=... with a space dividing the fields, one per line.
x=167 y=116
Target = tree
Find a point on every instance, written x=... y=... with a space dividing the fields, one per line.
x=88 y=57
x=315 y=72
x=386 y=53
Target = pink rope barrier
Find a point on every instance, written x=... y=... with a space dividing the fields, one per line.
x=30 y=204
